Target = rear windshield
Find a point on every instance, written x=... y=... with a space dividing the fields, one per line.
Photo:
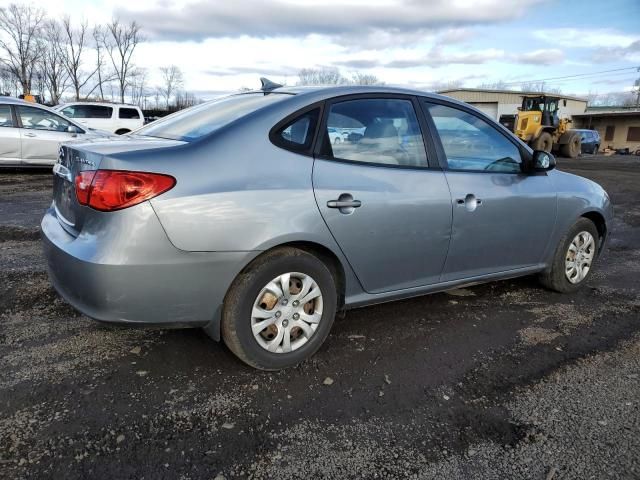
x=196 y=122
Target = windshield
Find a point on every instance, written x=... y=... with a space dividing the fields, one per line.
x=196 y=122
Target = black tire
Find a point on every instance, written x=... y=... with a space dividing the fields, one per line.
x=596 y=149
x=543 y=142
x=122 y=131
x=554 y=278
x=571 y=149
x=238 y=304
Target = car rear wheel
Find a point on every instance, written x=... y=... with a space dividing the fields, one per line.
x=574 y=258
x=279 y=311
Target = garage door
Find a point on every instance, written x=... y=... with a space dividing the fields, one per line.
x=490 y=108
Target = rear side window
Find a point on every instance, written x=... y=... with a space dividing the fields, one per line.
x=297 y=135
x=196 y=122
x=375 y=130
x=470 y=143
x=129 y=113
x=6 y=120
x=88 y=111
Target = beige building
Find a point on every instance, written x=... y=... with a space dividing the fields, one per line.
x=506 y=102
x=618 y=127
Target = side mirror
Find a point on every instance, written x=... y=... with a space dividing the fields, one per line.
x=543 y=161
x=73 y=130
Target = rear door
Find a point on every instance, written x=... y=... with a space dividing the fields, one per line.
x=387 y=208
x=9 y=137
x=41 y=133
x=502 y=218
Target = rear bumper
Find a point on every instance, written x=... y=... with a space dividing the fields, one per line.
x=115 y=278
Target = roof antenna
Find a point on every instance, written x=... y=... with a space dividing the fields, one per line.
x=268 y=85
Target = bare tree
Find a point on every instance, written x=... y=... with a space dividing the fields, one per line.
x=98 y=43
x=52 y=61
x=75 y=42
x=138 y=86
x=8 y=81
x=539 y=87
x=185 y=100
x=172 y=81
x=359 y=78
x=20 y=27
x=321 y=76
x=499 y=85
x=120 y=42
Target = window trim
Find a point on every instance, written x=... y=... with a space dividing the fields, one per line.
x=14 y=123
x=525 y=154
x=276 y=139
x=629 y=130
x=430 y=151
x=120 y=108
x=20 y=125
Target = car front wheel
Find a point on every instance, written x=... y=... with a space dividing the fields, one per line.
x=574 y=258
x=279 y=310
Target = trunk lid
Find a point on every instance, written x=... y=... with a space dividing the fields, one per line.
x=75 y=157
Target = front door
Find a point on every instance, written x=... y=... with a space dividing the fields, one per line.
x=42 y=133
x=388 y=211
x=502 y=217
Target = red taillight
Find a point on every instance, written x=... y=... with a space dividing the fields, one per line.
x=110 y=190
x=83 y=186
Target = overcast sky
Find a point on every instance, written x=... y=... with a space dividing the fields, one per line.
x=221 y=45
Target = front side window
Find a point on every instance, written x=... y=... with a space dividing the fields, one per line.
x=6 y=120
x=375 y=130
x=34 y=118
x=129 y=113
x=470 y=143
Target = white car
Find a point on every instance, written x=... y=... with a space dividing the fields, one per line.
x=118 y=118
x=31 y=134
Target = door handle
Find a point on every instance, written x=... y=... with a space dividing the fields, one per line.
x=29 y=134
x=470 y=202
x=344 y=203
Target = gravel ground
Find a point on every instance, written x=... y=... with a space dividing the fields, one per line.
x=504 y=380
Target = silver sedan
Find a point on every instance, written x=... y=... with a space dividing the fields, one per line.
x=241 y=215
x=31 y=134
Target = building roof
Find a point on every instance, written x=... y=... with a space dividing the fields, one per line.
x=609 y=113
x=510 y=92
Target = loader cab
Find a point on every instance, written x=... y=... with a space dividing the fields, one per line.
x=547 y=106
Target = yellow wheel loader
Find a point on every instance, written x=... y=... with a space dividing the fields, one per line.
x=539 y=125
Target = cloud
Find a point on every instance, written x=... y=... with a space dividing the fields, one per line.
x=257 y=70
x=438 y=57
x=203 y=19
x=358 y=63
x=549 y=56
x=611 y=54
x=586 y=38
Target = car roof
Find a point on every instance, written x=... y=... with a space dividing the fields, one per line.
x=100 y=104
x=329 y=91
x=18 y=101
